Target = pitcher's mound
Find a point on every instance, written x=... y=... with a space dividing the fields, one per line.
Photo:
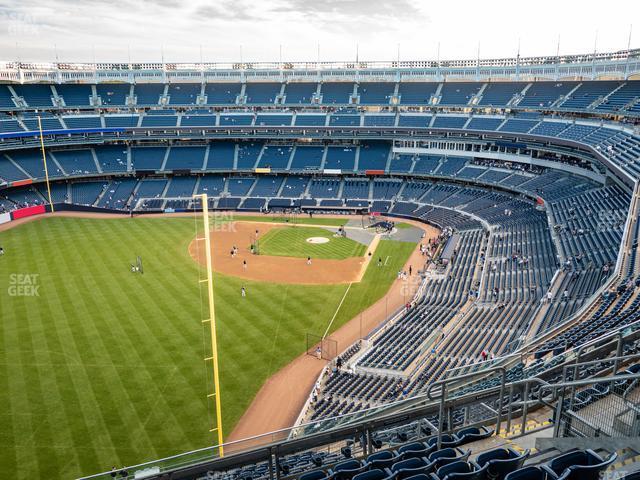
x=317 y=240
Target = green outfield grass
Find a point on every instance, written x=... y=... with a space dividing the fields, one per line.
x=403 y=225
x=105 y=367
x=375 y=282
x=299 y=220
x=292 y=242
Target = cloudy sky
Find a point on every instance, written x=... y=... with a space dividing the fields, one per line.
x=258 y=30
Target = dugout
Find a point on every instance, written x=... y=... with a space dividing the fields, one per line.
x=448 y=252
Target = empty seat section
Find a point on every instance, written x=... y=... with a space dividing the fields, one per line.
x=340 y=120
x=48 y=122
x=183 y=93
x=181 y=187
x=336 y=93
x=499 y=94
x=310 y=120
x=421 y=121
x=149 y=189
x=416 y=93
x=6 y=98
x=373 y=156
x=621 y=98
x=307 y=158
x=86 y=193
x=236 y=120
x=36 y=95
x=458 y=93
x=262 y=93
x=374 y=93
x=76 y=162
x=324 y=188
x=80 y=121
x=121 y=121
x=117 y=194
x=427 y=164
x=75 y=95
x=482 y=123
x=379 y=120
x=401 y=163
x=355 y=188
x=31 y=162
x=221 y=155
x=451 y=166
x=112 y=158
x=198 y=121
x=519 y=126
x=185 y=158
x=222 y=93
x=7 y=126
x=300 y=93
x=275 y=157
x=588 y=93
x=449 y=121
x=240 y=186
x=340 y=158
x=148 y=93
x=164 y=119
x=248 y=153
x=545 y=94
x=113 y=93
x=147 y=158
x=267 y=186
x=9 y=172
x=212 y=185
x=275 y=120
x=294 y=187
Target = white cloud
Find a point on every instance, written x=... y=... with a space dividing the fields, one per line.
x=33 y=29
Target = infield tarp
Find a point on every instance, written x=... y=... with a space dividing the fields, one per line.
x=5 y=218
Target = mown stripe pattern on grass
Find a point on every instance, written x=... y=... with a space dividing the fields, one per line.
x=106 y=368
x=292 y=242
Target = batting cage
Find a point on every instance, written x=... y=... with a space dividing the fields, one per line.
x=376 y=221
x=288 y=216
x=319 y=347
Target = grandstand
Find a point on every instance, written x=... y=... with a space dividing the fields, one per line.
x=528 y=300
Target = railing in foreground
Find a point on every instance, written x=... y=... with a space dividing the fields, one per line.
x=379 y=426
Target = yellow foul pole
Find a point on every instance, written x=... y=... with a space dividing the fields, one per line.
x=44 y=161
x=212 y=322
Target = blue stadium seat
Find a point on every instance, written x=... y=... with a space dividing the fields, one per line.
x=530 y=473
x=579 y=465
x=501 y=461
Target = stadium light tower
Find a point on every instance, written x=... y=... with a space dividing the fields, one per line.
x=211 y=320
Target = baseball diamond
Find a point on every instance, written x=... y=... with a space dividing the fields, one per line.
x=308 y=269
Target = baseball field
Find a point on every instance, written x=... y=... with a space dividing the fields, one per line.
x=101 y=367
